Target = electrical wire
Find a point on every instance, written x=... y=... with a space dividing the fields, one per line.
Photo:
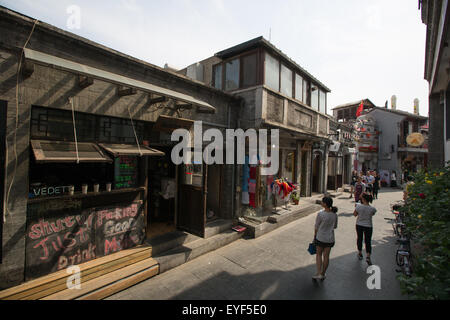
x=134 y=130
x=17 y=123
x=74 y=129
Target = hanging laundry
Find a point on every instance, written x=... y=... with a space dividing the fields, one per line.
x=252 y=187
x=245 y=198
x=252 y=202
x=252 y=172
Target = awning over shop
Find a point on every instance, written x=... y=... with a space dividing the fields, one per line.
x=169 y=124
x=112 y=77
x=130 y=150
x=64 y=151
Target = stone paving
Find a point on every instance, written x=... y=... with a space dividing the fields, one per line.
x=277 y=265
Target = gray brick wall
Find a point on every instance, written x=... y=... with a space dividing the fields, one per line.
x=50 y=87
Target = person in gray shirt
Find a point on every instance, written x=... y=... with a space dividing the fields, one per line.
x=364 y=228
x=326 y=222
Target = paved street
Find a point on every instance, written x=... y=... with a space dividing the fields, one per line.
x=277 y=265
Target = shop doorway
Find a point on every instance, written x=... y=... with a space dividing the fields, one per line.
x=304 y=171
x=213 y=203
x=2 y=167
x=162 y=186
x=191 y=215
x=316 y=172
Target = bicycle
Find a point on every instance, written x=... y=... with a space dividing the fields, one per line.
x=403 y=256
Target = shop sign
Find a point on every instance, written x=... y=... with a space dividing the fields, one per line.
x=415 y=139
x=335 y=146
x=48 y=191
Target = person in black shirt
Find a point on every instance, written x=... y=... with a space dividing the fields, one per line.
x=352 y=184
x=376 y=185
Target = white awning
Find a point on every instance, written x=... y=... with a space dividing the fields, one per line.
x=112 y=77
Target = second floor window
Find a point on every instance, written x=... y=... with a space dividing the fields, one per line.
x=218 y=76
x=322 y=102
x=272 y=72
x=232 y=75
x=286 y=81
x=249 y=70
x=314 y=97
x=299 y=88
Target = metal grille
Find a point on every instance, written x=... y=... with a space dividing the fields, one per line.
x=54 y=124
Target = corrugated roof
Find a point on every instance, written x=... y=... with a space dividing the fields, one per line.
x=352 y=104
x=400 y=112
x=260 y=41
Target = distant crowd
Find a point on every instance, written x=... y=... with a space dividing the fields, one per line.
x=365 y=182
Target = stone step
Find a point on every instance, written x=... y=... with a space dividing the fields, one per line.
x=182 y=254
x=255 y=230
x=217 y=226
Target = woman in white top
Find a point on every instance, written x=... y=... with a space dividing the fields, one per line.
x=326 y=222
x=364 y=228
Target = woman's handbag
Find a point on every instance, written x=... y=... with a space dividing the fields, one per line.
x=312 y=248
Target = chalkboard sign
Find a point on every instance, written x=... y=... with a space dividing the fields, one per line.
x=125 y=172
x=55 y=241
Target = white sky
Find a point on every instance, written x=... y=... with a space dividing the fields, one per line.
x=358 y=48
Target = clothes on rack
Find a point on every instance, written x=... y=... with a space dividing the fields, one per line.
x=282 y=188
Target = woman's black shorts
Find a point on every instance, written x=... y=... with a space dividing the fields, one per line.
x=324 y=244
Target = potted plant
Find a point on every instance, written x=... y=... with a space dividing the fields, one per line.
x=295 y=197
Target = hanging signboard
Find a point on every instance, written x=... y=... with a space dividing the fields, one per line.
x=415 y=139
x=125 y=172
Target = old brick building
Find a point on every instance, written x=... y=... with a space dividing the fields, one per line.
x=85 y=149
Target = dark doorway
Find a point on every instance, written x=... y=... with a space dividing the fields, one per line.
x=162 y=187
x=213 y=202
x=3 y=106
x=316 y=172
x=304 y=171
x=191 y=215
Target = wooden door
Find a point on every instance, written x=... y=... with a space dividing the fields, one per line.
x=2 y=167
x=192 y=201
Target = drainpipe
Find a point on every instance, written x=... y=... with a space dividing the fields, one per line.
x=233 y=175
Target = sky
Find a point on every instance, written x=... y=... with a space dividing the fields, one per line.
x=358 y=48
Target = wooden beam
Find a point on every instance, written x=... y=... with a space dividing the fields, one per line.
x=84 y=81
x=156 y=100
x=27 y=69
x=121 y=91
x=186 y=106
x=209 y=111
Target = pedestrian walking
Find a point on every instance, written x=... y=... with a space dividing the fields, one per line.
x=352 y=184
x=370 y=182
x=326 y=222
x=394 y=179
x=364 y=228
x=376 y=185
x=359 y=189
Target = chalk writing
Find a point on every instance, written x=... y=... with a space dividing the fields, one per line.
x=56 y=240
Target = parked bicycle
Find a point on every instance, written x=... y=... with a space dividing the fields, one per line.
x=403 y=256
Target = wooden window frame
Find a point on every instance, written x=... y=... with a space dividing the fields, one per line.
x=40 y=156
x=259 y=73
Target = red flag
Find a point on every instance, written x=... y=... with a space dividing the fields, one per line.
x=360 y=109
